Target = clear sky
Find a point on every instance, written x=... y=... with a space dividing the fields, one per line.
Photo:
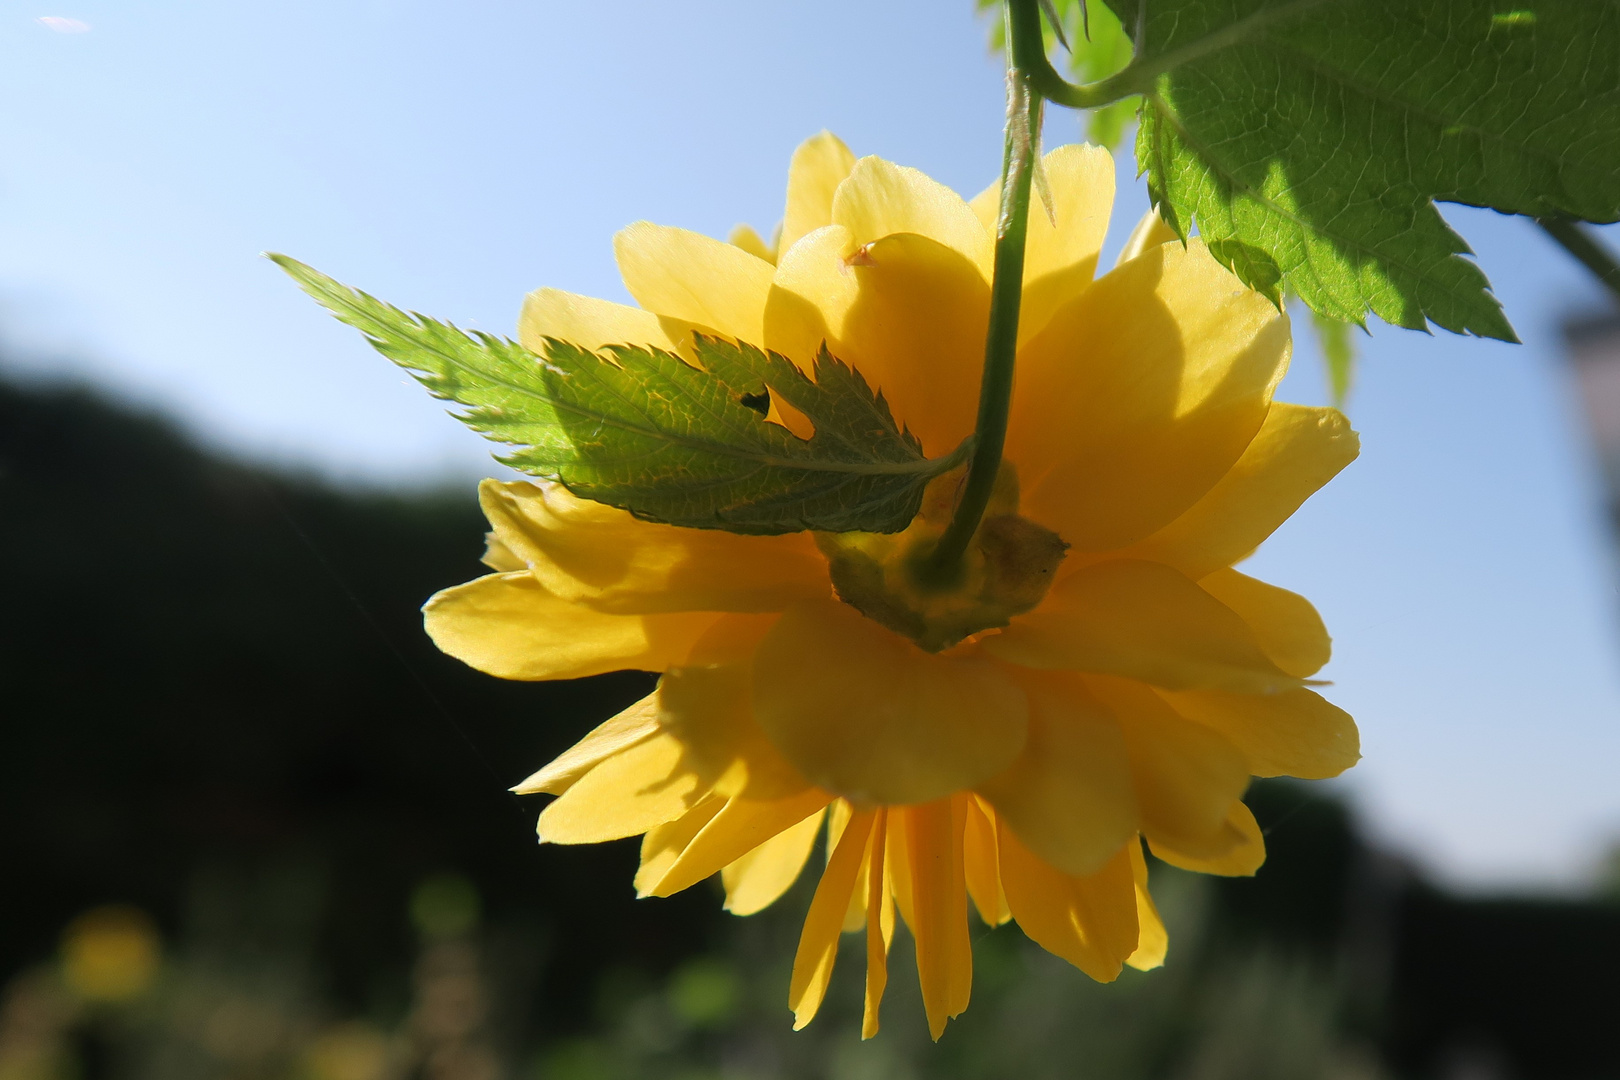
x=451 y=156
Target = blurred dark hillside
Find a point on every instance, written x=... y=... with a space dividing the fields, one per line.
x=211 y=667
x=220 y=709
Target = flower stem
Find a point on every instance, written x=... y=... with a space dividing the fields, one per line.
x=1581 y=244
x=1024 y=42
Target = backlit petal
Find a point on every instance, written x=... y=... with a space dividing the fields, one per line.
x=938 y=910
x=982 y=866
x=863 y=712
x=709 y=709
x=879 y=924
x=663 y=844
x=587 y=322
x=1187 y=775
x=818 y=941
x=1152 y=942
x=636 y=724
x=1143 y=621
x=1068 y=796
x=509 y=625
x=741 y=826
x=1149 y=232
x=745 y=237
x=695 y=278
x=1284 y=623
x=757 y=879
x=1243 y=854
x=1139 y=395
x=880 y=198
x=819 y=165
x=1088 y=921
x=1292 y=733
x=909 y=313
x=611 y=561
x=1297 y=450
x=626 y=795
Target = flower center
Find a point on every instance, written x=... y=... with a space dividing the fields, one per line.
x=1006 y=571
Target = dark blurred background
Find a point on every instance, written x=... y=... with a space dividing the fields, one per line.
x=255 y=826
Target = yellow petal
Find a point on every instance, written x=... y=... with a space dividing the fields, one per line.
x=626 y=795
x=1060 y=260
x=908 y=313
x=1143 y=621
x=745 y=237
x=1069 y=795
x=636 y=724
x=1297 y=450
x=982 y=866
x=818 y=942
x=1153 y=941
x=663 y=844
x=1284 y=623
x=1243 y=854
x=757 y=879
x=1088 y=921
x=863 y=712
x=819 y=165
x=1186 y=774
x=588 y=322
x=695 y=278
x=709 y=710
x=1139 y=395
x=1292 y=733
x=879 y=924
x=509 y=625
x=609 y=560
x=1149 y=232
x=938 y=917
x=740 y=827
x=880 y=198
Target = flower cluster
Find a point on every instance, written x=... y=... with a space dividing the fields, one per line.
x=1098 y=675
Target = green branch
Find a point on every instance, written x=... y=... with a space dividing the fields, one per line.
x=1580 y=243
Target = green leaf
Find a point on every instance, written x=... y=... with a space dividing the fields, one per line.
x=1313 y=137
x=641 y=429
x=1338 y=356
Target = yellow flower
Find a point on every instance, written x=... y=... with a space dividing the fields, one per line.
x=1098 y=676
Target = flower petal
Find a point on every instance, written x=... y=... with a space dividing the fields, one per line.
x=1187 y=775
x=1060 y=252
x=1284 y=623
x=508 y=625
x=626 y=795
x=1088 y=921
x=695 y=278
x=663 y=844
x=1139 y=395
x=609 y=560
x=1243 y=854
x=1292 y=733
x=909 y=314
x=819 y=165
x=745 y=237
x=938 y=909
x=880 y=198
x=818 y=941
x=1143 y=621
x=982 y=866
x=863 y=712
x=709 y=710
x=1296 y=451
x=1149 y=232
x=588 y=322
x=636 y=724
x=879 y=924
x=1153 y=941
x=741 y=826
x=1069 y=795
x=757 y=879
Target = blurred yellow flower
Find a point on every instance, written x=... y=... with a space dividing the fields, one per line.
x=111 y=954
x=1099 y=675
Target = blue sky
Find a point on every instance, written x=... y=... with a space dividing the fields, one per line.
x=450 y=157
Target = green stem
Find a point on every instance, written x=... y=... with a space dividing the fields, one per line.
x=1024 y=43
x=1581 y=244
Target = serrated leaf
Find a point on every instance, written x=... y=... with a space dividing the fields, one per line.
x=641 y=429
x=1320 y=132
